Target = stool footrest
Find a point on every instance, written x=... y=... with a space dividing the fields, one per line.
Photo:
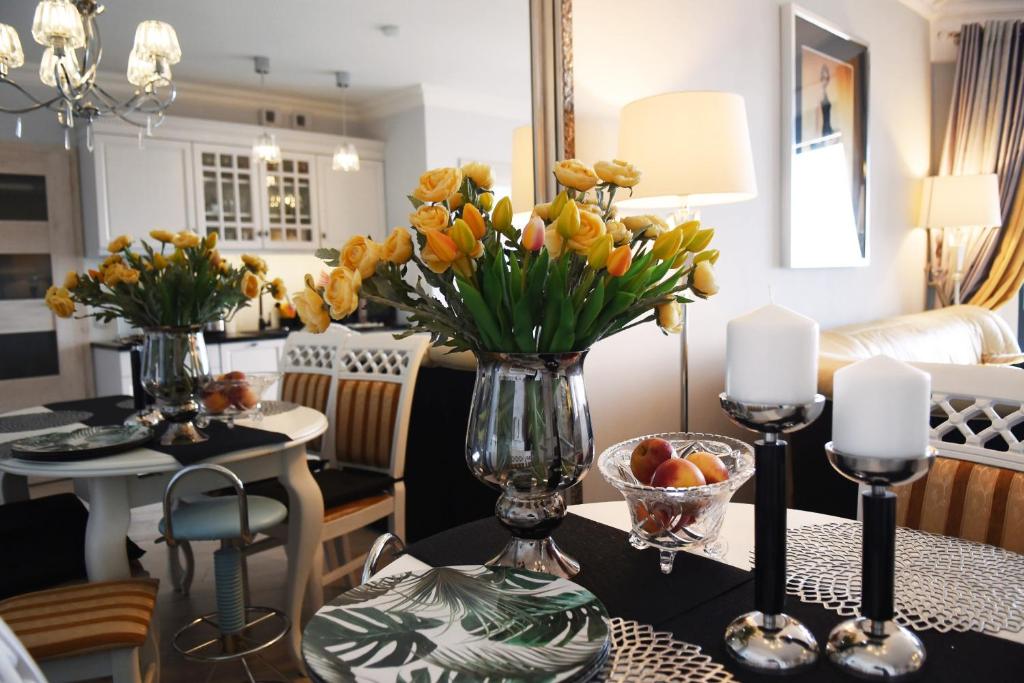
x=201 y=640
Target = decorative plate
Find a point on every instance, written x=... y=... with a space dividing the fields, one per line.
x=81 y=444
x=451 y=624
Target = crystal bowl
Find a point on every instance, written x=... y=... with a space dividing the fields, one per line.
x=229 y=397
x=674 y=519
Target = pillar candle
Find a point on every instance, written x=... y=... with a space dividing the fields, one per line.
x=880 y=409
x=772 y=357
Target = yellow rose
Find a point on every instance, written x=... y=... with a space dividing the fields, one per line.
x=670 y=317
x=58 y=300
x=702 y=280
x=651 y=226
x=591 y=228
x=554 y=242
x=429 y=217
x=254 y=263
x=480 y=174
x=186 y=239
x=119 y=244
x=575 y=174
x=250 y=285
x=617 y=172
x=475 y=220
x=277 y=289
x=398 y=247
x=342 y=292
x=619 y=232
x=362 y=254
x=438 y=184
x=117 y=273
x=439 y=252
x=162 y=235
x=310 y=308
x=111 y=260
x=71 y=280
x=486 y=201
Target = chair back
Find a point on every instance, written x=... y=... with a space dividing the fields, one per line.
x=975 y=489
x=307 y=370
x=375 y=377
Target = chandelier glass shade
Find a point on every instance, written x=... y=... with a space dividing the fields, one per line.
x=265 y=148
x=346 y=158
x=70 y=61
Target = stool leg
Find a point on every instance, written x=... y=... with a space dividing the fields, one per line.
x=227 y=567
x=124 y=665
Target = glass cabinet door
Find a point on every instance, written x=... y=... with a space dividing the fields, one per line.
x=289 y=203
x=227 y=176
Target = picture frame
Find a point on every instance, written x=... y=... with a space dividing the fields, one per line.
x=825 y=144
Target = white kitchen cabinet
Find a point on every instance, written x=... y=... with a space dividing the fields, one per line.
x=227 y=185
x=128 y=190
x=289 y=203
x=350 y=203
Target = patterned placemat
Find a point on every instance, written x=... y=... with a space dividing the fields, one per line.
x=639 y=653
x=942 y=583
x=33 y=421
x=269 y=408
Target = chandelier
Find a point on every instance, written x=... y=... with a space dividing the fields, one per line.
x=265 y=147
x=73 y=49
x=346 y=158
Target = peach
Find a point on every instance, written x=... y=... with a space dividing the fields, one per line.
x=236 y=375
x=677 y=473
x=655 y=521
x=647 y=456
x=710 y=465
x=243 y=397
x=216 y=402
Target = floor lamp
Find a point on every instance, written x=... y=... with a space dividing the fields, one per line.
x=693 y=149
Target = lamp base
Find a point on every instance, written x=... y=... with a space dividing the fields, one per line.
x=875 y=649
x=771 y=643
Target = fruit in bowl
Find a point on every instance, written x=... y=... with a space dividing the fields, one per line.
x=680 y=503
x=236 y=394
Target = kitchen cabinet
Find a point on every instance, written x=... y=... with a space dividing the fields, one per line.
x=288 y=205
x=227 y=184
x=351 y=203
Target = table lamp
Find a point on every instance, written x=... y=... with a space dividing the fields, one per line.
x=960 y=201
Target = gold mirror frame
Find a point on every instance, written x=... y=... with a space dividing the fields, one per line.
x=554 y=123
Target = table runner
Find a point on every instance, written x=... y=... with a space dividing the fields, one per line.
x=701 y=596
x=107 y=411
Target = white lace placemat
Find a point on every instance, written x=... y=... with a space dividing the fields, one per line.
x=30 y=422
x=942 y=583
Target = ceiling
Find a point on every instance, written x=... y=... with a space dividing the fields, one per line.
x=455 y=44
x=967 y=9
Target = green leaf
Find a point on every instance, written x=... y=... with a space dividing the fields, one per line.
x=590 y=310
x=485 y=321
x=399 y=635
x=329 y=255
x=416 y=203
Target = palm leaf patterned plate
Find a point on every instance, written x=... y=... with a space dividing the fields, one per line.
x=455 y=624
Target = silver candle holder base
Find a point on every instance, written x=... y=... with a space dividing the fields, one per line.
x=873 y=645
x=768 y=640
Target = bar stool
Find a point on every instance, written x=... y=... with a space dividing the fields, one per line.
x=235 y=631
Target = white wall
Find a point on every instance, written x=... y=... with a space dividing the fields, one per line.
x=665 y=45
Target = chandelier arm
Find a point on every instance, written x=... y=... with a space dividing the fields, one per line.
x=91 y=64
x=36 y=102
x=137 y=105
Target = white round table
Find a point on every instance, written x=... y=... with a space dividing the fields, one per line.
x=113 y=485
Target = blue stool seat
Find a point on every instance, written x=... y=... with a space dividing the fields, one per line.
x=217 y=518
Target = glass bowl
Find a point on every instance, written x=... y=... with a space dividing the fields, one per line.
x=674 y=519
x=236 y=396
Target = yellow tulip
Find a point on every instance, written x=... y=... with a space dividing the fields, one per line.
x=439 y=251
x=464 y=266
x=569 y=220
x=710 y=255
x=475 y=220
x=555 y=207
x=455 y=201
x=486 y=201
x=543 y=211
x=619 y=261
x=597 y=257
x=211 y=240
x=160 y=262
x=666 y=245
x=533 y=235
x=701 y=240
x=501 y=219
x=463 y=236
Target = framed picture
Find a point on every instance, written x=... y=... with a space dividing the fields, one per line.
x=825 y=144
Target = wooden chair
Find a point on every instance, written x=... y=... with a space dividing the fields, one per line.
x=88 y=631
x=975 y=489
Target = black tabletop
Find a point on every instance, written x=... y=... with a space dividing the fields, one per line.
x=701 y=596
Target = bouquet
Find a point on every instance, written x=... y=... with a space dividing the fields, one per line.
x=574 y=275
x=182 y=283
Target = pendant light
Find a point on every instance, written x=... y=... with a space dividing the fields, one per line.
x=265 y=148
x=346 y=158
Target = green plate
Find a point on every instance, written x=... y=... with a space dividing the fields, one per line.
x=452 y=624
x=81 y=444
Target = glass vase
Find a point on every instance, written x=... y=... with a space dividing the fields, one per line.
x=530 y=437
x=175 y=368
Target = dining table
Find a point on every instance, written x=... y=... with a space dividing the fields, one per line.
x=272 y=446
x=698 y=599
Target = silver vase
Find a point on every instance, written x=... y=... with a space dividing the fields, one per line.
x=530 y=437
x=175 y=368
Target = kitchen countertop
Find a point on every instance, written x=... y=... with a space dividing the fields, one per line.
x=235 y=337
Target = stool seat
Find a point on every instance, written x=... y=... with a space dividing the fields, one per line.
x=216 y=519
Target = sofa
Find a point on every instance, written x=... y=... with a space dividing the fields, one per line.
x=950 y=343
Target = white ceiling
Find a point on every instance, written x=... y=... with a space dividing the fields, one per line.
x=464 y=45
x=969 y=10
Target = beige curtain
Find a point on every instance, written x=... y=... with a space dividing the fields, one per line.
x=985 y=134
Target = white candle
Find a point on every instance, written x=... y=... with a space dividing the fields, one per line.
x=772 y=357
x=880 y=409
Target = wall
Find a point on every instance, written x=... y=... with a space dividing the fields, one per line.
x=734 y=45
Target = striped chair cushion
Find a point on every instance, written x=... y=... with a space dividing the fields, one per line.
x=365 y=419
x=307 y=389
x=74 y=620
x=967 y=500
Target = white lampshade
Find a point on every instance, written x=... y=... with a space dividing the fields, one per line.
x=522 y=169
x=158 y=40
x=11 y=54
x=693 y=149
x=955 y=201
x=69 y=68
x=346 y=158
x=265 y=148
x=57 y=23
x=143 y=71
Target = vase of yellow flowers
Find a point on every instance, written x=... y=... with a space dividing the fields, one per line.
x=169 y=291
x=529 y=303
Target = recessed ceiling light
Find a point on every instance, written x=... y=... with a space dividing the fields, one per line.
x=388 y=30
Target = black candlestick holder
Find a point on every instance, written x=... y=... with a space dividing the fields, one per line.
x=768 y=640
x=873 y=645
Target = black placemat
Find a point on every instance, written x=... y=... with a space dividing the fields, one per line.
x=628 y=581
x=109 y=410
